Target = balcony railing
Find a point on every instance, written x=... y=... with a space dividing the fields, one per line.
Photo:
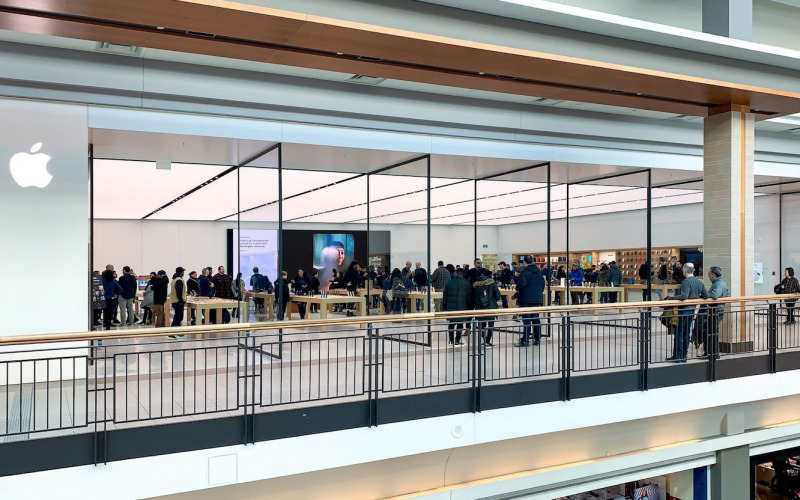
x=267 y=378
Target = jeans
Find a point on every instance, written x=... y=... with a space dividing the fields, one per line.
x=177 y=319
x=126 y=314
x=398 y=305
x=645 y=296
x=612 y=297
x=504 y=299
x=604 y=297
x=455 y=327
x=301 y=308
x=527 y=321
x=790 y=310
x=108 y=313
x=147 y=314
x=576 y=297
x=683 y=333
x=158 y=314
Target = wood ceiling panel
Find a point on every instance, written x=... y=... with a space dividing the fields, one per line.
x=268 y=35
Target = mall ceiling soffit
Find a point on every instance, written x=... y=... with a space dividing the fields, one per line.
x=239 y=31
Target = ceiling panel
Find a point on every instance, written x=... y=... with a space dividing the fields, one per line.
x=213 y=201
x=133 y=189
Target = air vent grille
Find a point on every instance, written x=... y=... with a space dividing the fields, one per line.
x=365 y=80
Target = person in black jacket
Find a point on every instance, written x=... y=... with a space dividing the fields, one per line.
x=313 y=288
x=644 y=275
x=506 y=276
x=485 y=296
x=456 y=296
x=282 y=294
x=662 y=275
x=160 y=293
x=530 y=287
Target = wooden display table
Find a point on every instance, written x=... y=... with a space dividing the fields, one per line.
x=594 y=290
x=510 y=294
x=269 y=301
x=206 y=304
x=326 y=302
x=665 y=290
x=423 y=296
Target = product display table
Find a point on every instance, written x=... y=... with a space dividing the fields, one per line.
x=201 y=304
x=269 y=301
x=665 y=290
x=594 y=290
x=510 y=293
x=326 y=302
x=423 y=296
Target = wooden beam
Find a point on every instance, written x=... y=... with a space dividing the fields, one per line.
x=234 y=30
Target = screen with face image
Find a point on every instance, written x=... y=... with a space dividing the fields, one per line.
x=332 y=252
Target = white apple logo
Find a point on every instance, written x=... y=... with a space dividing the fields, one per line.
x=31 y=169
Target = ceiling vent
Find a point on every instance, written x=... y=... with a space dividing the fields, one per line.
x=113 y=48
x=682 y=118
x=365 y=80
x=543 y=101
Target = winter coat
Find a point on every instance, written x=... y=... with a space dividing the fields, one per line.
x=614 y=276
x=457 y=295
x=530 y=286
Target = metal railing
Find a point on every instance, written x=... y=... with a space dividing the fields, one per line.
x=248 y=368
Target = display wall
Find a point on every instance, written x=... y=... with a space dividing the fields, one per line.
x=45 y=228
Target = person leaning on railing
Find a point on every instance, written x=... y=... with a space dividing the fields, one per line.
x=691 y=288
x=714 y=313
x=789 y=285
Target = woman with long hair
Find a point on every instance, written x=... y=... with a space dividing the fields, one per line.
x=789 y=284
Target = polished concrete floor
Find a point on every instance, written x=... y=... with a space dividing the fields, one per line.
x=127 y=383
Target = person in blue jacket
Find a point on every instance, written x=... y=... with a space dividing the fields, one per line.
x=576 y=279
x=530 y=290
x=111 y=290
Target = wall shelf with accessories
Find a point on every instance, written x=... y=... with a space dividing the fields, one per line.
x=630 y=260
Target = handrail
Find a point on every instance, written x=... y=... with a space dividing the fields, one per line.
x=47 y=338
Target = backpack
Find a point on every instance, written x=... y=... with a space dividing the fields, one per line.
x=482 y=294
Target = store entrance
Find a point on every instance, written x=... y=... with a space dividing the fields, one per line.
x=776 y=476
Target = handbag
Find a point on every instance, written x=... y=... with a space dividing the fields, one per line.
x=778 y=289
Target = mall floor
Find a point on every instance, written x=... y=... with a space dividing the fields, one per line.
x=159 y=380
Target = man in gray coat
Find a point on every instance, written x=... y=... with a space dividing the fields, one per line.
x=691 y=288
x=719 y=289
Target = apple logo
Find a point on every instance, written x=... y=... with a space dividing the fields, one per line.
x=31 y=169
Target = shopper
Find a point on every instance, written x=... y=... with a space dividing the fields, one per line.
x=147 y=302
x=398 y=290
x=576 y=279
x=160 y=293
x=710 y=335
x=485 y=296
x=111 y=290
x=408 y=282
x=644 y=276
x=237 y=291
x=222 y=290
x=300 y=284
x=457 y=296
x=514 y=271
x=589 y=279
x=614 y=279
x=452 y=270
x=282 y=294
x=691 y=288
x=313 y=288
x=420 y=278
x=505 y=278
x=530 y=289
x=177 y=297
x=789 y=284
x=439 y=279
x=561 y=274
x=204 y=284
x=127 y=298
x=677 y=271
x=602 y=281
x=662 y=275
x=472 y=275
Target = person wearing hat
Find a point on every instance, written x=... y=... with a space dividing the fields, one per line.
x=193 y=290
x=160 y=293
x=530 y=290
x=177 y=297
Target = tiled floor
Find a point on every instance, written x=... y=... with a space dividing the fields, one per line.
x=144 y=382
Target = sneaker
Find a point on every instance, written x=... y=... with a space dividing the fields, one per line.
x=172 y=337
x=459 y=343
x=488 y=344
x=115 y=322
x=520 y=344
x=536 y=343
x=129 y=323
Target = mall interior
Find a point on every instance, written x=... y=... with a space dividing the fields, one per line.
x=246 y=242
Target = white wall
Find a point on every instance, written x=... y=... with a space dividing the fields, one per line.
x=151 y=245
x=45 y=230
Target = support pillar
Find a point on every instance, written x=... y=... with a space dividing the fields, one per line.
x=730 y=18
x=730 y=476
x=728 y=206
